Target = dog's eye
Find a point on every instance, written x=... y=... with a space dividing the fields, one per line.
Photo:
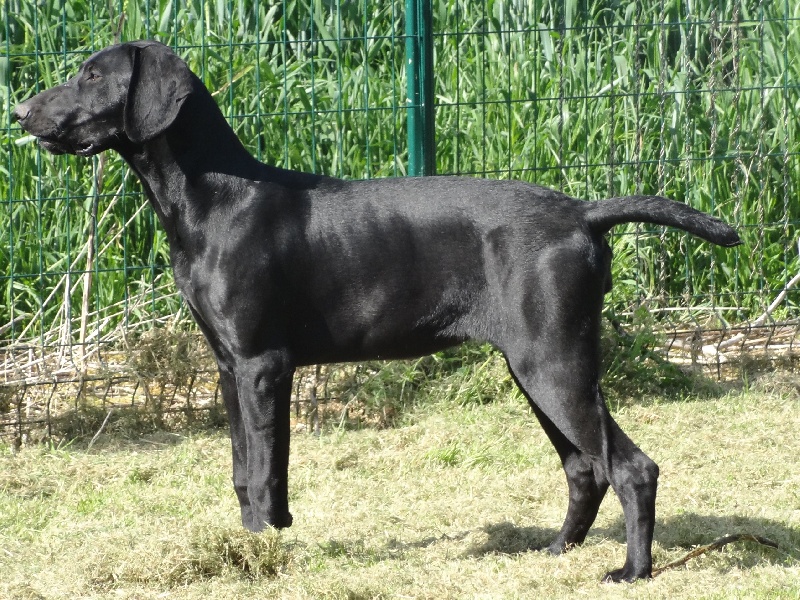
x=91 y=76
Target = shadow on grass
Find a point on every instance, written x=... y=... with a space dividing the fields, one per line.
x=679 y=533
x=507 y=538
x=360 y=551
x=685 y=531
x=688 y=530
x=503 y=538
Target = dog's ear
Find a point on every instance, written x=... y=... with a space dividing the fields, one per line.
x=160 y=83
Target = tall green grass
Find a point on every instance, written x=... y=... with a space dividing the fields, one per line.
x=605 y=98
x=694 y=100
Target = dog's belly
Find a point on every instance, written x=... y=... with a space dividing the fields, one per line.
x=408 y=347
x=354 y=335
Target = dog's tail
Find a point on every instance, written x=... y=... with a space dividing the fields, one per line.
x=604 y=214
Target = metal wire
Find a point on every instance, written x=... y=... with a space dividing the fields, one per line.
x=696 y=100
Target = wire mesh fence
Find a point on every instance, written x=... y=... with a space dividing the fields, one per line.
x=694 y=100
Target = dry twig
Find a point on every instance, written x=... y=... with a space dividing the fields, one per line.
x=715 y=545
x=99 y=431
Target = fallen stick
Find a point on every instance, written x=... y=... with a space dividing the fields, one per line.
x=99 y=431
x=715 y=545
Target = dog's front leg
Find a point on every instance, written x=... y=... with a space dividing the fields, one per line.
x=230 y=395
x=264 y=385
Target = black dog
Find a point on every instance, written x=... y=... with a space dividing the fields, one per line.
x=282 y=269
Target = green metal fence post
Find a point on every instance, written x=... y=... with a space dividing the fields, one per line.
x=419 y=73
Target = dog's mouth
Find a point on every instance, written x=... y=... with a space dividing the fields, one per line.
x=88 y=149
x=55 y=146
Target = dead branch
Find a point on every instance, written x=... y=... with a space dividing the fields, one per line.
x=99 y=431
x=715 y=545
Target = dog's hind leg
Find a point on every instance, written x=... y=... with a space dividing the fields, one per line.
x=594 y=452
x=586 y=481
x=554 y=356
x=634 y=477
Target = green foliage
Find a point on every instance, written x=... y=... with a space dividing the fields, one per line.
x=694 y=101
x=382 y=392
x=634 y=367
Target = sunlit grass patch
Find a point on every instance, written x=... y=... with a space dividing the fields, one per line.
x=452 y=502
x=191 y=555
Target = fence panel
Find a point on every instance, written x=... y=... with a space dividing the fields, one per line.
x=694 y=100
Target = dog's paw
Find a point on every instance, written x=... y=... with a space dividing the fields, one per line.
x=626 y=575
x=280 y=520
x=253 y=523
x=556 y=548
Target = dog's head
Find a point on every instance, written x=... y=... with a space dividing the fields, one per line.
x=130 y=91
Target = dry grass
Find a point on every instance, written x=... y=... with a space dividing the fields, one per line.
x=447 y=504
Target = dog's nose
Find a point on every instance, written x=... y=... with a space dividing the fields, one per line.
x=21 y=112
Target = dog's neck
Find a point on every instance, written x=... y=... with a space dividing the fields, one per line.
x=191 y=166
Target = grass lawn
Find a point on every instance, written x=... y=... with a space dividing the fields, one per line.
x=447 y=504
